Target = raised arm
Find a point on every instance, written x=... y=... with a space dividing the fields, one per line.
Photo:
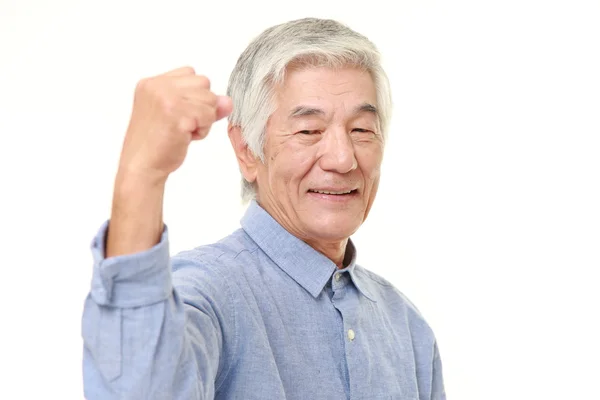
x=143 y=338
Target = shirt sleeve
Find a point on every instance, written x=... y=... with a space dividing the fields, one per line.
x=146 y=338
x=438 y=391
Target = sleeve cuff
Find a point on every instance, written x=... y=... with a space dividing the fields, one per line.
x=131 y=280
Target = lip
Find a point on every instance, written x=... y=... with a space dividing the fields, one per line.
x=335 y=198
x=332 y=189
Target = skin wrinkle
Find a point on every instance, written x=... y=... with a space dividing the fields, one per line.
x=335 y=102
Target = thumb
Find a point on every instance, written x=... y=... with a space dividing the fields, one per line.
x=224 y=107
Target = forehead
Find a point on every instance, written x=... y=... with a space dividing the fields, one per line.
x=326 y=87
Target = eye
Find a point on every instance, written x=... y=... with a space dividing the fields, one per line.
x=363 y=135
x=308 y=132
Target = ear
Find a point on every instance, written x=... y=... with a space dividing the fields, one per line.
x=247 y=161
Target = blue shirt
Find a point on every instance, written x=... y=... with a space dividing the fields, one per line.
x=258 y=315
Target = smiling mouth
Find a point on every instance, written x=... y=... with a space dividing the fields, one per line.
x=341 y=193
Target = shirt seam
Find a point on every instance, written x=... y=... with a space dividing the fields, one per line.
x=368 y=274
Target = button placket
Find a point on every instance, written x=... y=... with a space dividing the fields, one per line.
x=351 y=334
x=338 y=282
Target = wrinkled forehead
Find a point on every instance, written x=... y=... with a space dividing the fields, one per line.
x=316 y=91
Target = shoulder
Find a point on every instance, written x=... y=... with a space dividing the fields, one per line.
x=383 y=287
x=208 y=270
x=219 y=257
x=392 y=299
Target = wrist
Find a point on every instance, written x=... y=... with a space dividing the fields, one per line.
x=132 y=179
x=136 y=216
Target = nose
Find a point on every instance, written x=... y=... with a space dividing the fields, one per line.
x=337 y=152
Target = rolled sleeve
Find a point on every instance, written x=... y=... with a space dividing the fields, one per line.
x=131 y=280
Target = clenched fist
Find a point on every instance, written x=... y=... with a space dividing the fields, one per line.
x=169 y=112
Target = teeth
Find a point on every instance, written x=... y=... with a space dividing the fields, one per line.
x=326 y=192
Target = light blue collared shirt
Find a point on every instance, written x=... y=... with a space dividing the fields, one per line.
x=258 y=315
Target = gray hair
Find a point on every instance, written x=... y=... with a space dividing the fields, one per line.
x=305 y=42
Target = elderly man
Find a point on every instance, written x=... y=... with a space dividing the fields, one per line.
x=279 y=309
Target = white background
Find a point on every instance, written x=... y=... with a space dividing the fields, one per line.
x=488 y=213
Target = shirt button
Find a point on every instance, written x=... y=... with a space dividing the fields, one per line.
x=338 y=277
x=351 y=334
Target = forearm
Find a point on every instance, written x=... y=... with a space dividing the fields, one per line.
x=136 y=222
x=140 y=352
x=141 y=338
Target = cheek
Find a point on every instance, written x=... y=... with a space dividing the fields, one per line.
x=375 y=172
x=290 y=166
x=370 y=164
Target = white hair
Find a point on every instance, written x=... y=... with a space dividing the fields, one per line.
x=304 y=42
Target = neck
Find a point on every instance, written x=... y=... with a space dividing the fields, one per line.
x=335 y=251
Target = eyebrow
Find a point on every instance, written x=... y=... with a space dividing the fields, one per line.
x=306 y=111
x=366 y=107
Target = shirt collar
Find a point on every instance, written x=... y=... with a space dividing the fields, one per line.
x=352 y=268
x=309 y=268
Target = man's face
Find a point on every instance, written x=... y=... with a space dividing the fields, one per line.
x=323 y=153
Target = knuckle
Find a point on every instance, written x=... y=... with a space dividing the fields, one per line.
x=203 y=81
x=206 y=115
x=211 y=114
x=201 y=134
x=186 y=124
x=211 y=98
x=148 y=88
x=188 y=70
x=142 y=85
